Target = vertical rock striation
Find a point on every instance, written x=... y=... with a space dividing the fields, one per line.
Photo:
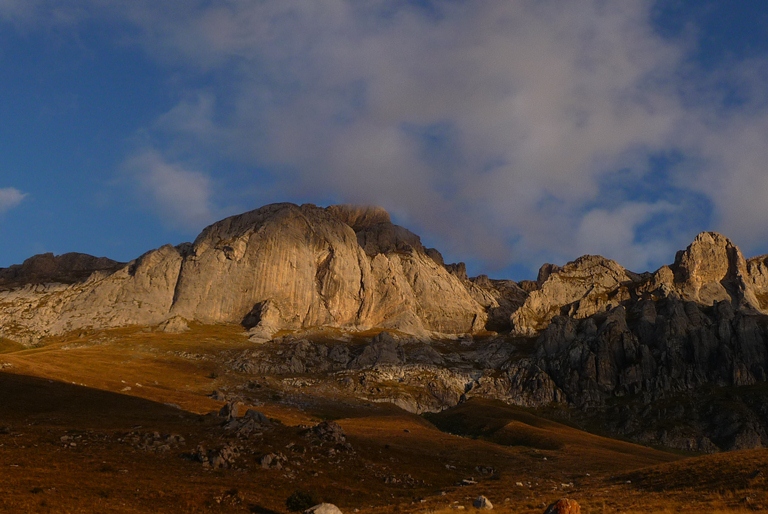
x=279 y=267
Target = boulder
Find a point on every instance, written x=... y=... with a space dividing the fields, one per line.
x=174 y=325
x=482 y=503
x=323 y=508
x=230 y=410
x=221 y=458
x=328 y=431
x=564 y=506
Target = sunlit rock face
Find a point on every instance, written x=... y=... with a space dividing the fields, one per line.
x=279 y=267
x=588 y=285
x=712 y=269
x=341 y=266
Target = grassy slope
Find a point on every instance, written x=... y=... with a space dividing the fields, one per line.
x=402 y=462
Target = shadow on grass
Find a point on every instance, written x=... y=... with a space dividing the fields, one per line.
x=258 y=509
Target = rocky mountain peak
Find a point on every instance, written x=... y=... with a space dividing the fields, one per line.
x=286 y=266
x=581 y=288
x=282 y=266
x=376 y=233
x=711 y=269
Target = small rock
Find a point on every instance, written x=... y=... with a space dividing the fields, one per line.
x=272 y=461
x=329 y=431
x=230 y=410
x=481 y=502
x=256 y=416
x=218 y=396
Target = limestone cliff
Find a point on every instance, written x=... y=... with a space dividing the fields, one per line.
x=712 y=269
x=279 y=267
x=579 y=289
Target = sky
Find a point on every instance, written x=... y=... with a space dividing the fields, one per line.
x=505 y=133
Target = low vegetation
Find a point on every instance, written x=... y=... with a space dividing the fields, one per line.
x=119 y=421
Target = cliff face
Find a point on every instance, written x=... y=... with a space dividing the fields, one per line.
x=579 y=289
x=712 y=269
x=341 y=267
x=669 y=338
x=280 y=267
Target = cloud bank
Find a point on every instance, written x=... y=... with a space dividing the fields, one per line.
x=512 y=132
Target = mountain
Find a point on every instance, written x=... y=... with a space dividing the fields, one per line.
x=675 y=357
x=279 y=267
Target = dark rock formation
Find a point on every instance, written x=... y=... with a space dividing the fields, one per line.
x=65 y=269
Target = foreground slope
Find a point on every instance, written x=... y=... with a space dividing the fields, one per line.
x=114 y=422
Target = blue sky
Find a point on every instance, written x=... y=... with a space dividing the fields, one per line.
x=507 y=134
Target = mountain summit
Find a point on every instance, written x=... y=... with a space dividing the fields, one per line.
x=279 y=267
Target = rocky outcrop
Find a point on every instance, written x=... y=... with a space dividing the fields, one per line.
x=47 y=268
x=482 y=503
x=588 y=285
x=712 y=269
x=757 y=281
x=280 y=267
x=564 y=506
x=653 y=351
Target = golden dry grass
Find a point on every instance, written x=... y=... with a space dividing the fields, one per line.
x=401 y=463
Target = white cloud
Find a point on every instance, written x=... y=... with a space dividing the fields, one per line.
x=10 y=197
x=544 y=100
x=492 y=125
x=611 y=233
x=181 y=197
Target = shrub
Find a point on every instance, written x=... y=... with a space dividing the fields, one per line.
x=301 y=500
